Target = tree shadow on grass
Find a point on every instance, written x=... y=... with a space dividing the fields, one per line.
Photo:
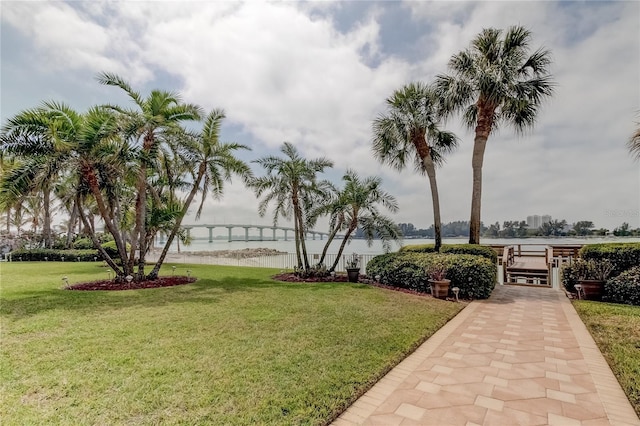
x=27 y=303
x=22 y=304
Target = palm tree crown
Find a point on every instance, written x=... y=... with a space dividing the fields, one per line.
x=291 y=184
x=634 y=144
x=409 y=132
x=493 y=82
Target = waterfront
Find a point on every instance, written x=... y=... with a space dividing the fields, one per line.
x=361 y=247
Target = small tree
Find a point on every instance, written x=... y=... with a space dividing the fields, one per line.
x=357 y=206
x=291 y=184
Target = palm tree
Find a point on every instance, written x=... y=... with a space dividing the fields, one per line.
x=213 y=163
x=31 y=136
x=84 y=146
x=291 y=183
x=495 y=81
x=634 y=144
x=409 y=131
x=357 y=207
x=155 y=115
x=334 y=206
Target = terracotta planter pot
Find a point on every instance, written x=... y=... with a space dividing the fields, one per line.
x=592 y=289
x=353 y=274
x=440 y=288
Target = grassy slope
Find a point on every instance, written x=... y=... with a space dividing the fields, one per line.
x=616 y=330
x=233 y=348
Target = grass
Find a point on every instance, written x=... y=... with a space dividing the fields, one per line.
x=233 y=348
x=616 y=330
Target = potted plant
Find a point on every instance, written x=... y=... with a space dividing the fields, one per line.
x=592 y=274
x=438 y=281
x=352 y=265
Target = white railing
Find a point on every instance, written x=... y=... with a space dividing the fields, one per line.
x=286 y=261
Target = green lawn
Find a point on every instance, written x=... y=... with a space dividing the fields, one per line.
x=234 y=348
x=616 y=330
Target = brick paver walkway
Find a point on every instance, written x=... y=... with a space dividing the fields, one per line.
x=522 y=357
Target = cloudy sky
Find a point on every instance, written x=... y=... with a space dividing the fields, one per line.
x=317 y=73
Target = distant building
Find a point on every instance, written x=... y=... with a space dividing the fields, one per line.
x=536 y=221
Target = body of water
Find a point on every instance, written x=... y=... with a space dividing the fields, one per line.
x=361 y=247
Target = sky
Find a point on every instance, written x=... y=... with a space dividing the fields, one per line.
x=317 y=74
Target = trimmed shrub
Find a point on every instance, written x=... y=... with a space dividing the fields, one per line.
x=418 y=248
x=625 y=288
x=39 y=255
x=112 y=250
x=623 y=256
x=474 y=275
x=83 y=244
x=472 y=249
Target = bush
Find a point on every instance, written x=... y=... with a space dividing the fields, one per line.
x=472 y=249
x=112 y=250
x=623 y=256
x=570 y=275
x=83 y=244
x=39 y=255
x=583 y=269
x=625 y=288
x=475 y=276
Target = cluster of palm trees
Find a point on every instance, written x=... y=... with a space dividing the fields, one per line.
x=292 y=186
x=130 y=165
x=495 y=81
x=140 y=169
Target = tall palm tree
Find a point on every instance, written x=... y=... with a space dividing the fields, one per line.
x=213 y=163
x=291 y=183
x=409 y=131
x=156 y=114
x=357 y=206
x=495 y=81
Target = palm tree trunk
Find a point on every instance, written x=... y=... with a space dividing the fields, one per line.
x=303 y=244
x=296 y=226
x=139 y=233
x=119 y=273
x=73 y=217
x=483 y=128
x=435 y=200
x=46 y=225
x=352 y=227
x=141 y=210
x=92 y=181
x=330 y=238
x=176 y=226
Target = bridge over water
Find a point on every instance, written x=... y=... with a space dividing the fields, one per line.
x=247 y=237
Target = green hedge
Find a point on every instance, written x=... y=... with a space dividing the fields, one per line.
x=472 y=249
x=623 y=255
x=625 y=288
x=38 y=255
x=474 y=275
